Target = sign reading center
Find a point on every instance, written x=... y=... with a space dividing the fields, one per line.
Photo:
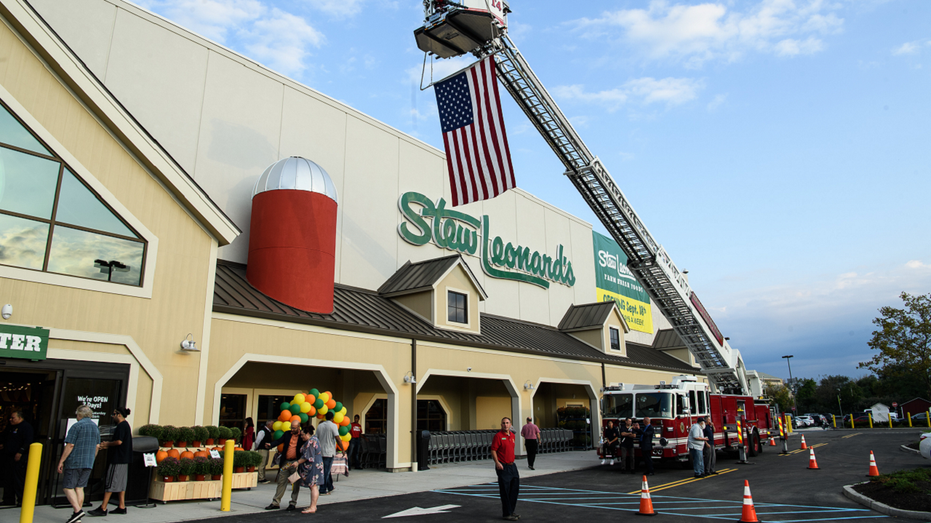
x=30 y=343
x=457 y=231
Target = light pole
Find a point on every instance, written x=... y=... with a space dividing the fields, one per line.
x=109 y=266
x=791 y=381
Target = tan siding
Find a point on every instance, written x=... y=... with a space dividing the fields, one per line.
x=421 y=303
x=594 y=337
x=457 y=280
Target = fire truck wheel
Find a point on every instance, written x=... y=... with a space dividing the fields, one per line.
x=753 y=447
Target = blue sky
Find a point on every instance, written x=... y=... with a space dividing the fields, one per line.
x=779 y=150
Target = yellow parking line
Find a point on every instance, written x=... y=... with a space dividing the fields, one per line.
x=797 y=451
x=851 y=435
x=684 y=481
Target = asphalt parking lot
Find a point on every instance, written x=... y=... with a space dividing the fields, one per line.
x=783 y=489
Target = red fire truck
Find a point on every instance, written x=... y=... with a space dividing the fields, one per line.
x=673 y=408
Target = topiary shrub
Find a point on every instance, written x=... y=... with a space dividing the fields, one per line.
x=152 y=431
x=185 y=434
x=168 y=468
x=200 y=434
x=225 y=433
x=213 y=432
x=236 y=434
x=169 y=434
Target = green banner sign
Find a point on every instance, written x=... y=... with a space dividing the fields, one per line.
x=615 y=282
x=28 y=343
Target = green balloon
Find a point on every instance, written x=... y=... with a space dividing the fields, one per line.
x=344 y=430
x=303 y=417
x=339 y=407
x=278 y=434
x=318 y=403
x=295 y=409
x=314 y=392
x=285 y=406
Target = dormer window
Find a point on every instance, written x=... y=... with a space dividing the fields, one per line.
x=615 y=339
x=457 y=307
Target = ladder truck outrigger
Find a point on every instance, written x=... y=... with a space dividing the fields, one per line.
x=479 y=27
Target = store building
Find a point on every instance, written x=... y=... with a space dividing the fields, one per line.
x=145 y=235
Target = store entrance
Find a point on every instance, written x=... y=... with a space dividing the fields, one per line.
x=48 y=393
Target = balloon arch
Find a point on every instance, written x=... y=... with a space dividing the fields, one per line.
x=304 y=405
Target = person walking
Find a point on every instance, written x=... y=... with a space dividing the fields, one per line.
x=248 y=434
x=710 y=458
x=531 y=434
x=285 y=460
x=310 y=466
x=15 y=451
x=81 y=445
x=610 y=437
x=355 y=444
x=502 y=452
x=264 y=434
x=645 y=434
x=628 y=436
x=696 y=443
x=328 y=434
x=119 y=456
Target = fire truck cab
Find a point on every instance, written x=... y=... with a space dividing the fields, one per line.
x=673 y=408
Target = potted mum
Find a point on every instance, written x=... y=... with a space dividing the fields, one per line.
x=200 y=435
x=186 y=468
x=240 y=460
x=201 y=468
x=216 y=468
x=168 y=435
x=213 y=433
x=167 y=469
x=236 y=434
x=225 y=434
x=152 y=431
x=185 y=436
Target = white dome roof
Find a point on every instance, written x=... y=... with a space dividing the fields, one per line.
x=296 y=173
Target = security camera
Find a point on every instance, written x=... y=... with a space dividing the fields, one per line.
x=469 y=369
x=6 y=311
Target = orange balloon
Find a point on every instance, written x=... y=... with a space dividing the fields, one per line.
x=285 y=415
x=173 y=453
x=295 y=417
x=320 y=416
x=331 y=404
x=187 y=454
x=312 y=411
x=345 y=421
x=160 y=455
x=281 y=447
x=343 y=445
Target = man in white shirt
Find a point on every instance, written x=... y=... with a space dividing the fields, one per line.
x=328 y=434
x=697 y=441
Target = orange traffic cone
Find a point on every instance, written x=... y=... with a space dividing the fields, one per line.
x=874 y=471
x=749 y=513
x=812 y=463
x=646 y=504
x=772 y=441
x=804 y=446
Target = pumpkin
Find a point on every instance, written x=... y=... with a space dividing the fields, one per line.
x=187 y=454
x=201 y=454
x=173 y=453
x=238 y=448
x=160 y=455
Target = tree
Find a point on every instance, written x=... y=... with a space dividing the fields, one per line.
x=805 y=395
x=904 y=339
x=779 y=395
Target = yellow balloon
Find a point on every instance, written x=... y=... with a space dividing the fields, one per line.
x=338 y=417
x=298 y=398
x=343 y=411
x=276 y=425
x=322 y=411
x=305 y=407
x=347 y=437
x=324 y=397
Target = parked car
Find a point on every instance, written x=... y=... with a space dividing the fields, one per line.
x=925 y=445
x=921 y=416
x=804 y=421
x=861 y=417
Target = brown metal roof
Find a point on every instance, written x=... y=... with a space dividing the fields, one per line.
x=667 y=339
x=588 y=316
x=363 y=310
x=422 y=276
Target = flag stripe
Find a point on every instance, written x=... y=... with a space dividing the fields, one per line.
x=492 y=130
x=477 y=86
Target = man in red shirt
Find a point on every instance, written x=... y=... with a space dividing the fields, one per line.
x=502 y=451
x=355 y=444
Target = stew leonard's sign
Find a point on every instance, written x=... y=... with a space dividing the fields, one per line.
x=614 y=282
x=30 y=343
x=457 y=231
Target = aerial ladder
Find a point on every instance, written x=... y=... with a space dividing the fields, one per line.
x=479 y=27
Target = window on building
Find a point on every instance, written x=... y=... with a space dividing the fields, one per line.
x=233 y=410
x=268 y=408
x=51 y=221
x=376 y=419
x=430 y=416
x=456 y=304
x=615 y=338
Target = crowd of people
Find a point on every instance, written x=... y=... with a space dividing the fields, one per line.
x=624 y=438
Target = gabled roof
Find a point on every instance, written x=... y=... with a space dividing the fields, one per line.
x=588 y=316
x=764 y=376
x=667 y=339
x=367 y=311
x=103 y=104
x=423 y=276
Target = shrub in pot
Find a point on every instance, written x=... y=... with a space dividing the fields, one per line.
x=185 y=436
x=200 y=435
x=240 y=460
x=216 y=467
x=152 y=431
x=201 y=468
x=256 y=461
x=168 y=436
x=168 y=469
x=236 y=434
x=186 y=468
x=213 y=432
x=225 y=434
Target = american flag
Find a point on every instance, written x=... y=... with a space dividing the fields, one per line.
x=477 y=152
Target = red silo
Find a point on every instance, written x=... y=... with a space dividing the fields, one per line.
x=292 y=237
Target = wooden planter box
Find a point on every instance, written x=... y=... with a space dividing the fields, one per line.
x=178 y=490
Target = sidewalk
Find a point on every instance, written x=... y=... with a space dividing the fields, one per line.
x=361 y=484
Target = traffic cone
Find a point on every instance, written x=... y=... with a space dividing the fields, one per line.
x=812 y=463
x=646 y=504
x=772 y=441
x=874 y=471
x=804 y=446
x=749 y=513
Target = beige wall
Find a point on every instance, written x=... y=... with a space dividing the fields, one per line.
x=421 y=303
x=458 y=281
x=183 y=262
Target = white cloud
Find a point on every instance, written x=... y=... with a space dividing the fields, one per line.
x=671 y=91
x=698 y=33
x=916 y=264
x=337 y=8
x=717 y=102
x=911 y=47
x=213 y=19
x=280 y=41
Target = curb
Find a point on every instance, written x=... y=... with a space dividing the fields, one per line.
x=906 y=448
x=850 y=493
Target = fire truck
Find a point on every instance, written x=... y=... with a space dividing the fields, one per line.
x=673 y=408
